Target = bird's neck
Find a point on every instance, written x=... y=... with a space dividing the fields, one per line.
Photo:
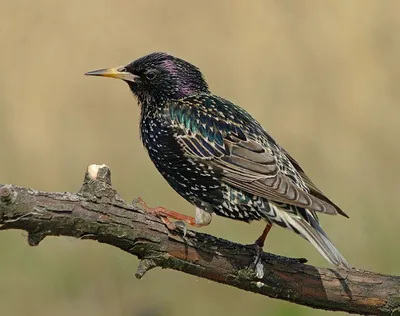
x=149 y=110
x=154 y=104
x=154 y=130
x=151 y=107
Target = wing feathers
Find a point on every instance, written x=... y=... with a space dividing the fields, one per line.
x=257 y=156
x=252 y=166
x=246 y=163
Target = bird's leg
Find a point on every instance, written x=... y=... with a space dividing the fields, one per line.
x=261 y=240
x=259 y=243
x=202 y=218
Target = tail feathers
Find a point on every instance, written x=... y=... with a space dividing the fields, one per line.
x=316 y=236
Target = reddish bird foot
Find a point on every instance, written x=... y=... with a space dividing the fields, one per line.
x=165 y=215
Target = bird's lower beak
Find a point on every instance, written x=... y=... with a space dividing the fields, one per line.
x=118 y=73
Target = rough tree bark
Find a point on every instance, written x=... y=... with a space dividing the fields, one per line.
x=97 y=212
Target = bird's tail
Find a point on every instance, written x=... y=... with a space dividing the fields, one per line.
x=312 y=231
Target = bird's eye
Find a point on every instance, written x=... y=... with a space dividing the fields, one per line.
x=151 y=75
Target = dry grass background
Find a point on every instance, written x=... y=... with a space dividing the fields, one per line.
x=321 y=76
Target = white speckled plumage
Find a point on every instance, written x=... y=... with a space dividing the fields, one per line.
x=219 y=158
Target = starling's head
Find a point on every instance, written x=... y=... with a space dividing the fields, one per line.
x=158 y=77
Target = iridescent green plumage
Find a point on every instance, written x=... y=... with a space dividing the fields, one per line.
x=257 y=176
x=218 y=157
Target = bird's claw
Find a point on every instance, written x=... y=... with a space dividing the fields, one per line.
x=175 y=226
x=182 y=226
x=258 y=250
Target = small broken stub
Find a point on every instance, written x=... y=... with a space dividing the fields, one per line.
x=93 y=170
x=35 y=238
x=99 y=172
x=7 y=195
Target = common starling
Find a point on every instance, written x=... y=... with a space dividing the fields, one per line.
x=218 y=157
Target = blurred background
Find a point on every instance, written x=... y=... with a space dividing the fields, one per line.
x=321 y=76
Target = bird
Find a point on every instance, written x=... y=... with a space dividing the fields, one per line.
x=218 y=157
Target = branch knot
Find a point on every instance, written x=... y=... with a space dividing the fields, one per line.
x=7 y=196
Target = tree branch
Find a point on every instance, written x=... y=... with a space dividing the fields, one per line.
x=97 y=212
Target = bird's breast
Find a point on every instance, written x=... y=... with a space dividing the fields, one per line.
x=192 y=179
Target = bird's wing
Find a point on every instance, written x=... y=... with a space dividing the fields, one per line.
x=220 y=135
x=310 y=185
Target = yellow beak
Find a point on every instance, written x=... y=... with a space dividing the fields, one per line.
x=117 y=73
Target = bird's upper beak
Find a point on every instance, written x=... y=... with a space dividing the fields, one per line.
x=118 y=73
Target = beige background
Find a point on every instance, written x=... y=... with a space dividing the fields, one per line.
x=321 y=76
